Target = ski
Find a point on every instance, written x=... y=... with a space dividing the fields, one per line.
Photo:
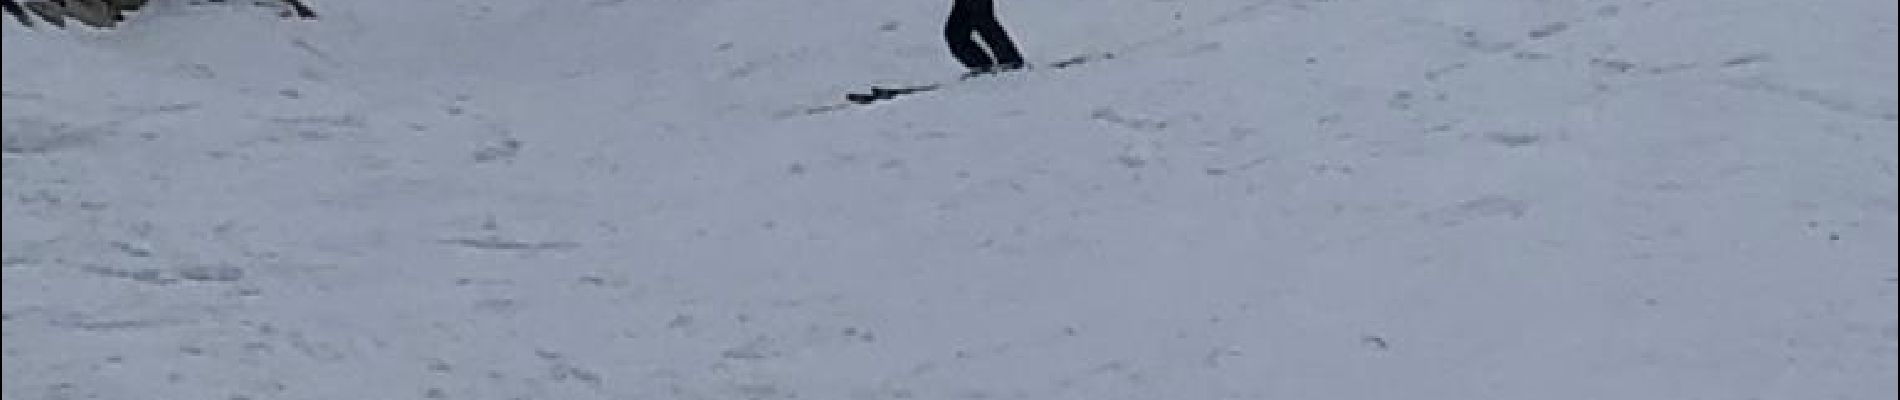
x=878 y=94
x=885 y=93
x=1081 y=59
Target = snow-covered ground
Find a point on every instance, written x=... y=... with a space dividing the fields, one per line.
x=1259 y=199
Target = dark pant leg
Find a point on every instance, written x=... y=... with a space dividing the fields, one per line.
x=18 y=13
x=1000 y=45
x=960 y=33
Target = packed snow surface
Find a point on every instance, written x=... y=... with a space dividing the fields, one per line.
x=1256 y=199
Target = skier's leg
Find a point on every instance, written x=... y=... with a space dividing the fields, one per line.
x=960 y=33
x=18 y=13
x=96 y=13
x=303 y=11
x=53 y=13
x=1007 y=57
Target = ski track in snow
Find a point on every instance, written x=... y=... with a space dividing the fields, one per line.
x=1299 y=199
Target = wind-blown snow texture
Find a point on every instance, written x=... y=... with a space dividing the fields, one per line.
x=1281 y=199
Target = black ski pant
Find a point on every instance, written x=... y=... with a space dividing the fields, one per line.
x=971 y=18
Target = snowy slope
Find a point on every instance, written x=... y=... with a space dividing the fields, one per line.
x=601 y=199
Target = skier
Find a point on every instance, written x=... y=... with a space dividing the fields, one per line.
x=969 y=18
